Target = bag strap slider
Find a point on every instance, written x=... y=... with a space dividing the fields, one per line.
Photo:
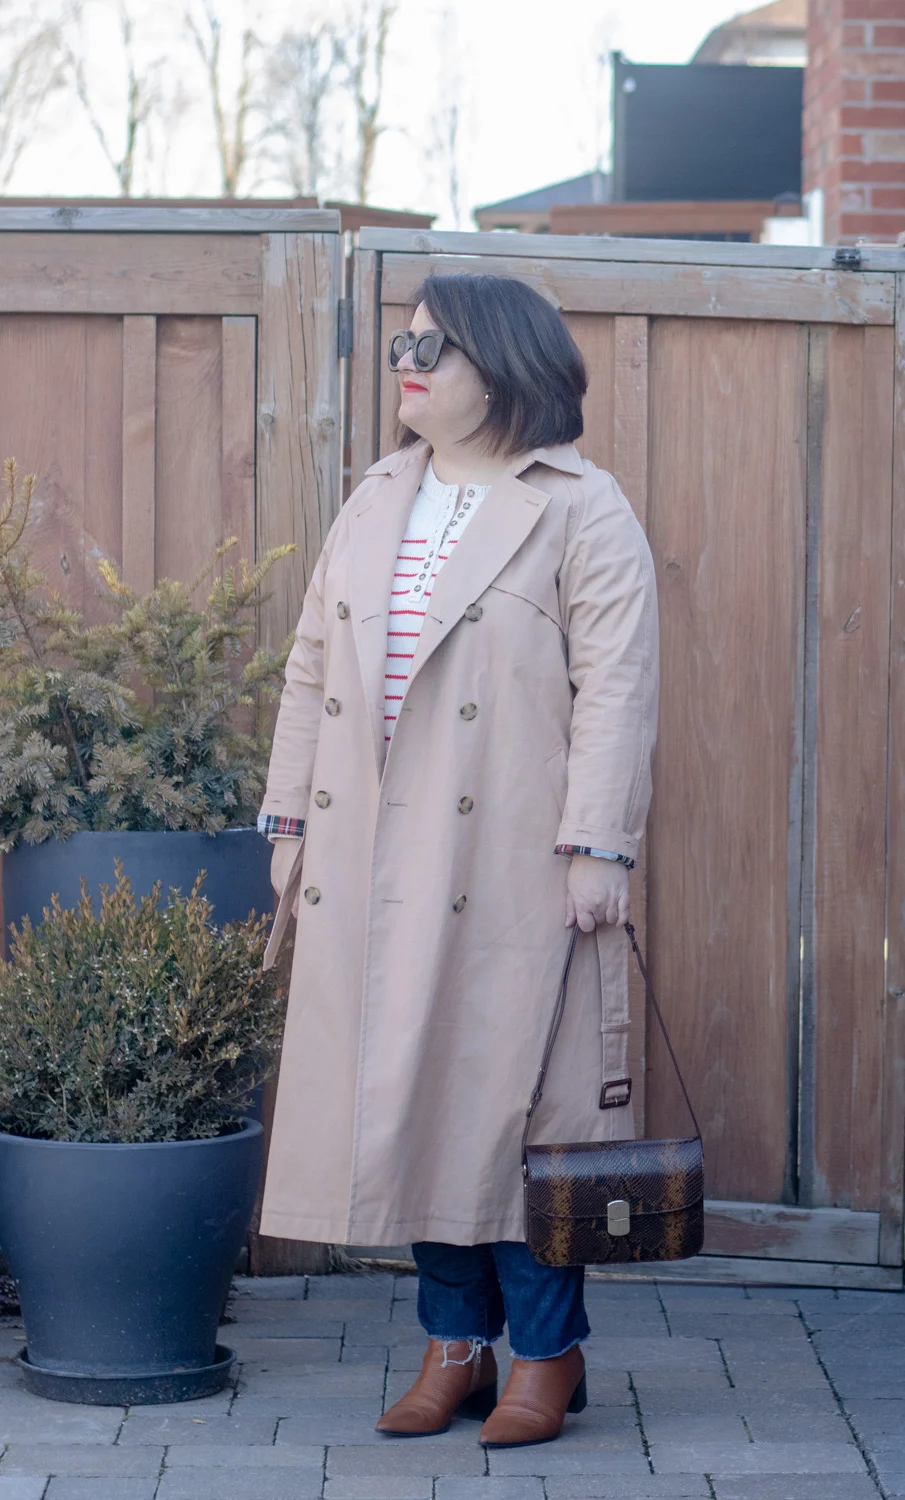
x=622 y=1097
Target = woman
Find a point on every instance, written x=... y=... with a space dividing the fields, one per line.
x=464 y=739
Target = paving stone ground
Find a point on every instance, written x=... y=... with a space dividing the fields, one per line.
x=697 y=1393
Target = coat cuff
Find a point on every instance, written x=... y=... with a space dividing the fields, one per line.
x=272 y=825
x=583 y=838
x=619 y=859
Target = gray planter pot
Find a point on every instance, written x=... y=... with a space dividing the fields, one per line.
x=123 y=1255
x=237 y=864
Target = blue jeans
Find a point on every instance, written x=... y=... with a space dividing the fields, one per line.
x=470 y=1291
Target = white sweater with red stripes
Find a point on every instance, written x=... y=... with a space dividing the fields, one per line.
x=439 y=515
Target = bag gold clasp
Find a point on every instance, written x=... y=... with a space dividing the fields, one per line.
x=617 y=1216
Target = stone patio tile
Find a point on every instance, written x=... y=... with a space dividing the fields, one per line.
x=382 y=1331
x=877 y=1419
x=424 y=1457
x=31 y=1419
x=727 y=1324
x=281 y=1288
x=272 y=1351
x=84 y=1459
x=772 y=1426
x=796 y=1487
x=386 y=1487
x=70 y=1488
x=494 y=1487
x=22 y=1489
x=756 y=1458
x=368 y=1286
x=676 y=1295
x=377 y=1354
x=727 y=1427
x=650 y=1487
x=258 y=1459
x=337 y=1429
x=654 y=1353
x=675 y=1380
x=232 y=1431
x=238 y=1484
x=208 y=1406
x=263 y=1326
x=556 y=1459
x=325 y=1409
x=339 y=1381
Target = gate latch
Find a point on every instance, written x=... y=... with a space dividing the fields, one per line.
x=847 y=258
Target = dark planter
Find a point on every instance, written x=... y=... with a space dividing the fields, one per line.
x=123 y=1256
x=237 y=864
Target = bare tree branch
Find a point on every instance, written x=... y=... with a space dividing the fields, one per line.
x=366 y=56
x=231 y=124
x=30 y=71
x=302 y=75
x=141 y=95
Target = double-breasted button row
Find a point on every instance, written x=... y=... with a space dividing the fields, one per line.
x=459 y=904
x=342 y=609
x=312 y=895
x=473 y=612
x=331 y=707
x=465 y=804
x=322 y=799
x=468 y=710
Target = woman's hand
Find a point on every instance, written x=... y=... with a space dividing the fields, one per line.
x=596 y=892
x=280 y=864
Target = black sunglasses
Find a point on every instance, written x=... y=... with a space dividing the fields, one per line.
x=426 y=347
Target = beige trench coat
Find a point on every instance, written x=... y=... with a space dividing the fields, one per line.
x=430 y=941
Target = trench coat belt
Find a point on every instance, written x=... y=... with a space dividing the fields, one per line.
x=284 y=908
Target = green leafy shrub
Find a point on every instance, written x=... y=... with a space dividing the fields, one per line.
x=158 y=718
x=137 y=1023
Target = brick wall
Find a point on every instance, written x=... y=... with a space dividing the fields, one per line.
x=854 y=117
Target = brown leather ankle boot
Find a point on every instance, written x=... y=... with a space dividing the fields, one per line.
x=466 y=1388
x=538 y=1394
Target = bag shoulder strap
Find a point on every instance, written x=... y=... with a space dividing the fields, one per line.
x=557 y=1020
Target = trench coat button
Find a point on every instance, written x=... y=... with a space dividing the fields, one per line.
x=332 y=707
x=322 y=799
x=468 y=710
x=465 y=804
x=342 y=610
x=459 y=903
x=312 y=895
x=473 y=612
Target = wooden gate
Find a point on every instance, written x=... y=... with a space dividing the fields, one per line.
x=749 y=401
x=171 y=376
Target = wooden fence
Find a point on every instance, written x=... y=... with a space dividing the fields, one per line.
x=173 y=375
x=749 y=401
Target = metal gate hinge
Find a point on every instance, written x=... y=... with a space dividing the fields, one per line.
x=344 y=327
x=847 y=258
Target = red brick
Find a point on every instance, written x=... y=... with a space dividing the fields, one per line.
x=884 y=90
x=887 y=197
x=854 y=91
x=875 y=171
x=853 y=36
x=889 y=36
x=876 y=117
x=852 y=145
x=872 y=10
x=880 y=223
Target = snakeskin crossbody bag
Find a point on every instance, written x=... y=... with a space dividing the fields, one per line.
x=595 y=1202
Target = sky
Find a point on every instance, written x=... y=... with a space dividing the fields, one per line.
x=525 y=77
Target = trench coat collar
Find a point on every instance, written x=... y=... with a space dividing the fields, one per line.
x=506 y=517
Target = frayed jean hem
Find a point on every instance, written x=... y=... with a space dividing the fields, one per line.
x=531 y=1358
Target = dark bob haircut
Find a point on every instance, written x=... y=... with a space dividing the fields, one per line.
x=522 y=349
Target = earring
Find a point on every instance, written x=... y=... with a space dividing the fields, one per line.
x=487 y=396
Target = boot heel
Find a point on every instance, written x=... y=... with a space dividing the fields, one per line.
x=479 y=1404
x=579 y=1396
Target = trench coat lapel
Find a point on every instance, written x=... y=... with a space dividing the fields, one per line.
x=377 y=527
x=506 y=517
